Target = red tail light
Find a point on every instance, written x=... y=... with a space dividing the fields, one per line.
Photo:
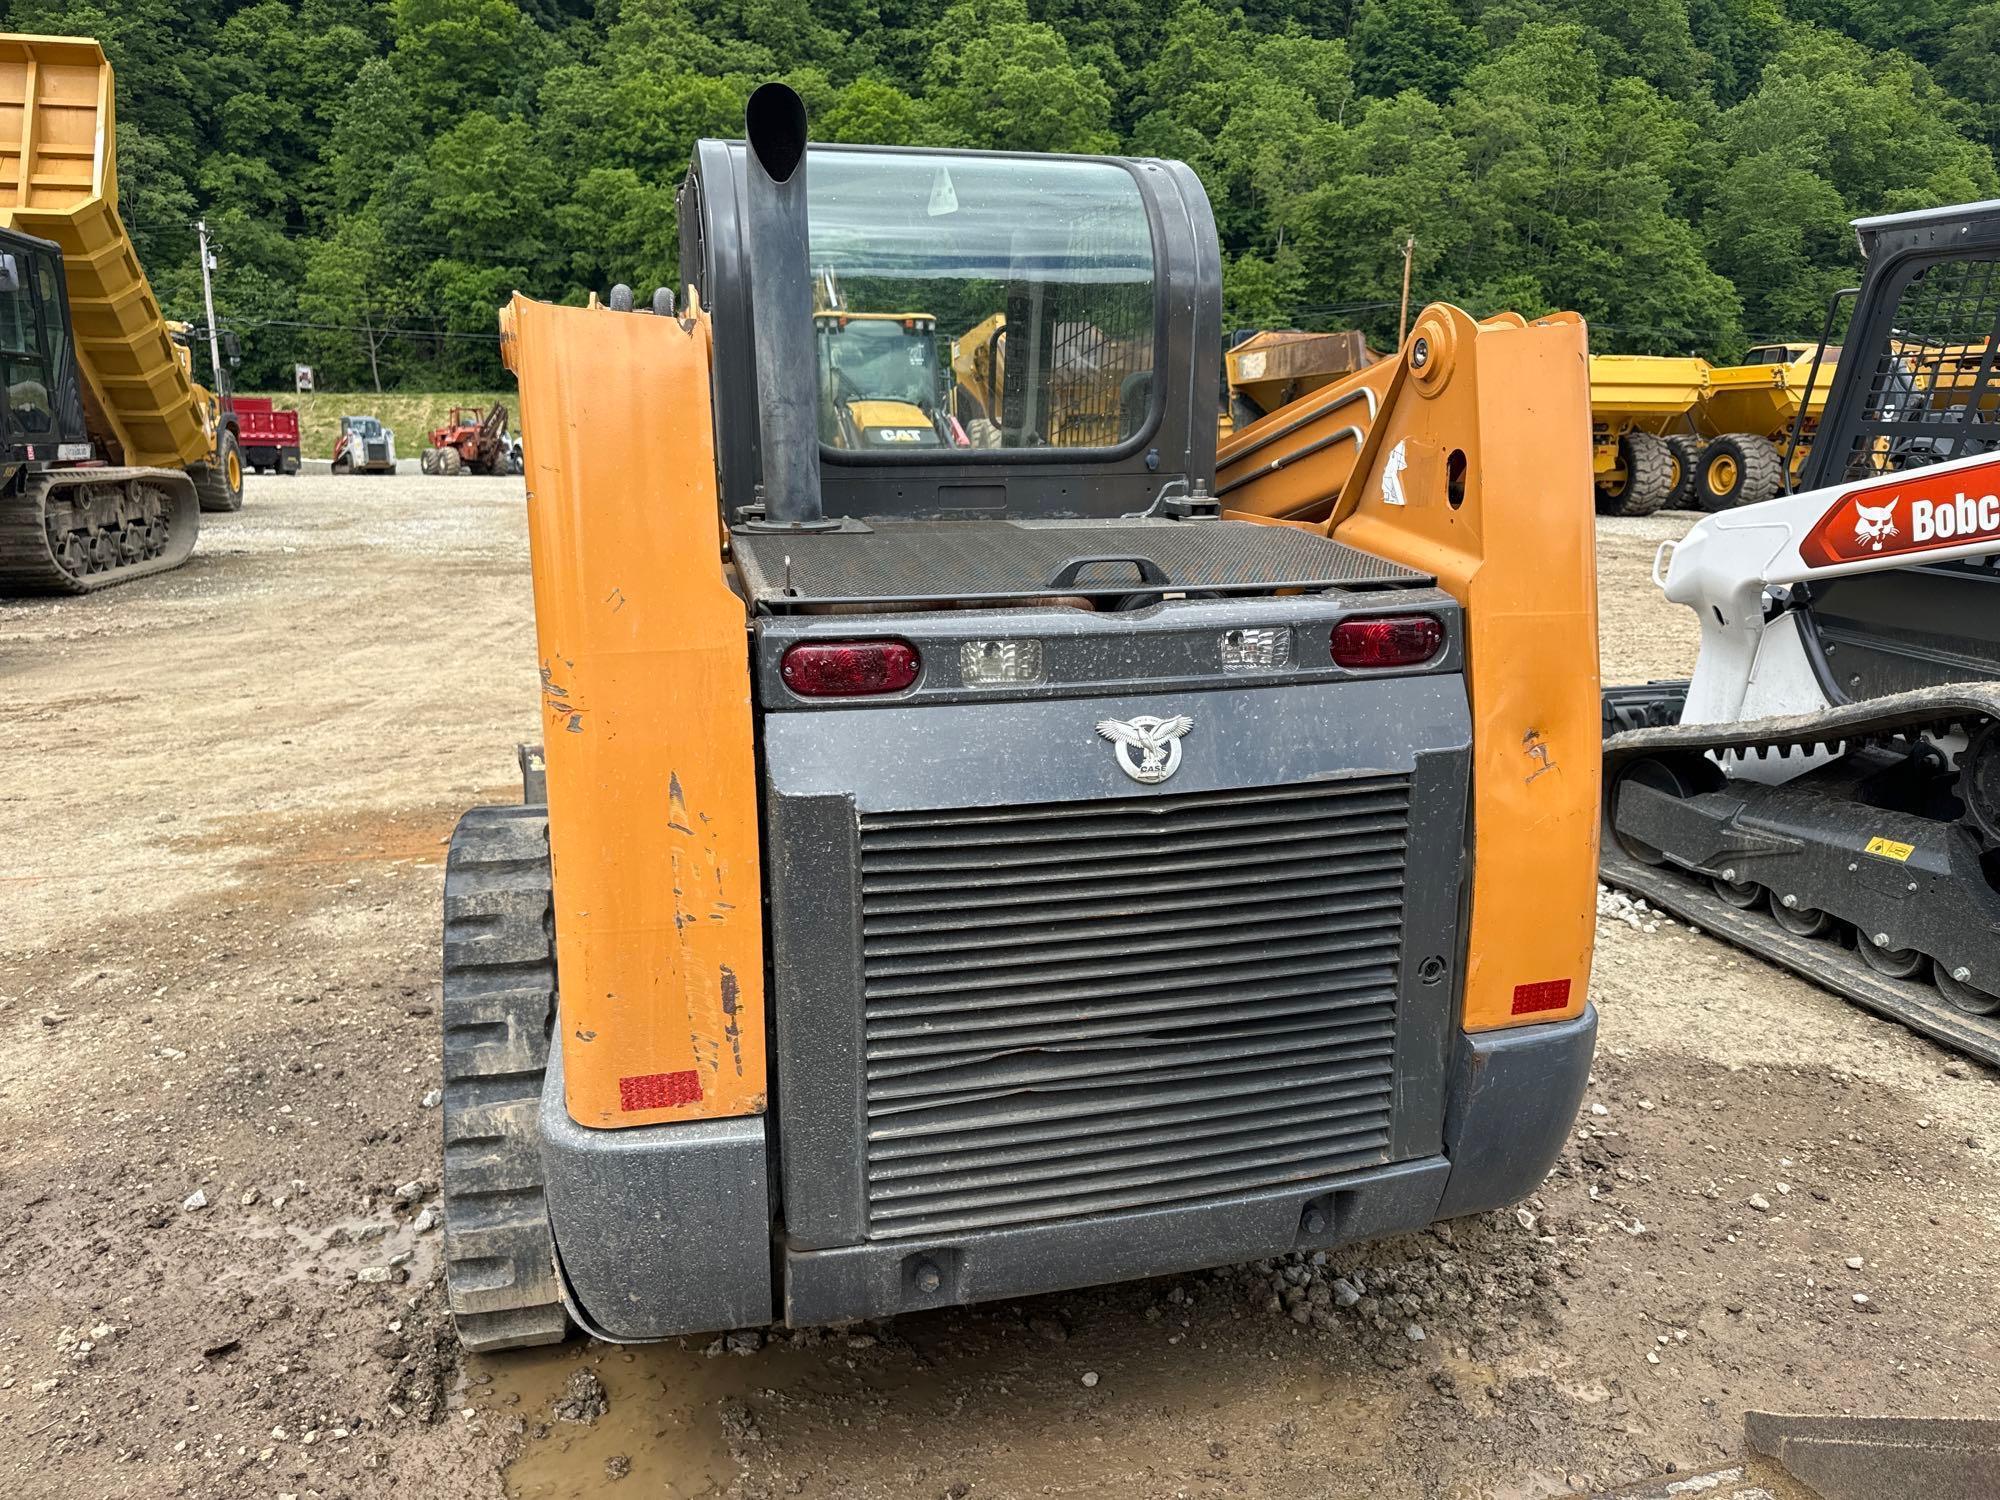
x=850 y=669
x=1387 y=641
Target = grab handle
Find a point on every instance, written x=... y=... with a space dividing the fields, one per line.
x=1069 y=572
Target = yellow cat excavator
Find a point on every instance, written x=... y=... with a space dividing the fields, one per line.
x=109 y=450
x=955 y=873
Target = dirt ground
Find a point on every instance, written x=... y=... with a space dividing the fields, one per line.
x=227 y=795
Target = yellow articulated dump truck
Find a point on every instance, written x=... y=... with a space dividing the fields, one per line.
x=1644 y=430
x=111 y=450
x=1749 y=414
x=957 y=873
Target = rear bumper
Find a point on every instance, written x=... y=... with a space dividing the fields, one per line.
x=664 y=1230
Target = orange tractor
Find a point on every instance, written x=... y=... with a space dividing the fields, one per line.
x=471 y=442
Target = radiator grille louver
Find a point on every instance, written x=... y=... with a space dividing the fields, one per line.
x=1089 y=1008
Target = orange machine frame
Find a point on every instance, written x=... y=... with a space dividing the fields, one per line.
x=646 y=719
x=1476 y=468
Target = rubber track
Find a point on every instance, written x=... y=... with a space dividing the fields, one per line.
x=499 y=1001
x=26 y=565
x=1825 y=961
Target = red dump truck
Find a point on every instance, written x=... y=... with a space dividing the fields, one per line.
x=269 y=435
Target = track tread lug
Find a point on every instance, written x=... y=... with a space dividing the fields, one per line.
x=499 y=1002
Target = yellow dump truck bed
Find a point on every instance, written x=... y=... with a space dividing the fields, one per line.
x=1274 y=368
x=1645 y=390
x=1763 y=399
x=58 y=180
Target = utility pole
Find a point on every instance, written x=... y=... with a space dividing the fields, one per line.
x=368 y=331
x=208 y=300
x=1403 y=318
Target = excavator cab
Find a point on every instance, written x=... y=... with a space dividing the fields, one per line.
x=956 y=872
x=42 y=419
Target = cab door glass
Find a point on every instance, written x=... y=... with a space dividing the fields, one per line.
x=23 y=363
x=66 y=401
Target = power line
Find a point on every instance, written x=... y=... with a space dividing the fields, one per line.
x=408 y=333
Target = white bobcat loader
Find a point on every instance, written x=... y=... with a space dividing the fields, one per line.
x=1826 y=790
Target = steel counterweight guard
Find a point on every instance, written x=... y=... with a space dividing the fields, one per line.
x=645 y=717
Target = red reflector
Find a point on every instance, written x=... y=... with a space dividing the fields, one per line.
x=850 y=669
x=1549 y=994
x=1387 y=641
x=659 y=1090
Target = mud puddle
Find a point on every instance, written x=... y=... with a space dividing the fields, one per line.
x=953 y=1404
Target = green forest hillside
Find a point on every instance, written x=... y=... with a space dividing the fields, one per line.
x=379 y=174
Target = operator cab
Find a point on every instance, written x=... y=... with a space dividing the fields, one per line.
x=992 y=333
x=949 y=379
x=41 y=420
x=878 y=382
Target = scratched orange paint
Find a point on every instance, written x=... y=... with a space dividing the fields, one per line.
x=1519 y=552
x=645 y=717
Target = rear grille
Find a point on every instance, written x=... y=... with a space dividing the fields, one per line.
x=1089 y=1008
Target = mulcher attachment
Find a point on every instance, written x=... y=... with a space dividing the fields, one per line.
x=1865 y=874
x=499 y=1003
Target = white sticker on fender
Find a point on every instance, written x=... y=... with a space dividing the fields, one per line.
x=1392 y=476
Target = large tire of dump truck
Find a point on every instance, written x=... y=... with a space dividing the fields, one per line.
x=220 y=484
x=1738 y=468
x=71 y=531
x=499 y=1006
x=1648 y=476
x=1685 y=452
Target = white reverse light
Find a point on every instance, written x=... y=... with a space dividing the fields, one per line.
x=1257 y=650
x=999 y=663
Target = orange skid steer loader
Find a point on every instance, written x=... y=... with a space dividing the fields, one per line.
x=955 y=873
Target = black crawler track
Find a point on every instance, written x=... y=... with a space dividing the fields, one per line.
x=499 y=999
x=72 y=531
x=1830 y=960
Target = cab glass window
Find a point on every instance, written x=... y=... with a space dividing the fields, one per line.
x=966 y=303
x=23 y=361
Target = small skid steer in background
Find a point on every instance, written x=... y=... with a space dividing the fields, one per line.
x=1826 y=790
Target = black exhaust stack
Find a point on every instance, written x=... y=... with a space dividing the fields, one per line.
x=774 y=125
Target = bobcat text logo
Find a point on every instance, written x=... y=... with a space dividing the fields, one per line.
x=1911 y=514
x=1874 y=525
x=1942 y=520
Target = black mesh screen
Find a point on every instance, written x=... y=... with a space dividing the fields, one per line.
x=1080 y=351
x=1932 y=393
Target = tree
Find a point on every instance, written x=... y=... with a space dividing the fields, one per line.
x=1396 y=173
x=1831 y=132
x=1411 y=44
x=999 y=81
x=1682 y=171
x=374 y=126
x=1571 y=196
x=870 y=110
x=456 y=55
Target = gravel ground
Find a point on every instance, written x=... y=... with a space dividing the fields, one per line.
x=228 y=794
